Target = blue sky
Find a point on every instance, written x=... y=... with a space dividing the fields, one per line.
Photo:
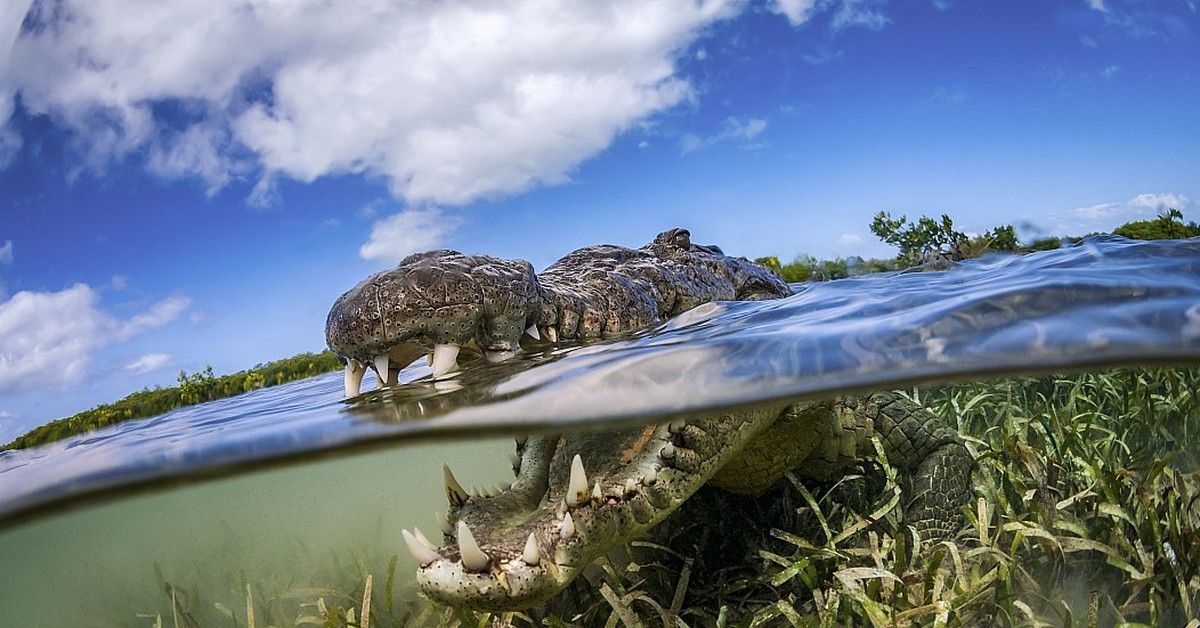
x=194 y=182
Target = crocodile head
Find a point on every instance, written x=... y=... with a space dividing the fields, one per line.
x=433 y=303
x=575 y=497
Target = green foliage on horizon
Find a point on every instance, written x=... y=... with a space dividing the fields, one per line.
x=928 y=239
x=809 y=268
x=1168 y=226
x=193 y=388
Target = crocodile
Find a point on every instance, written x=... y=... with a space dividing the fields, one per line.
x=577 y=496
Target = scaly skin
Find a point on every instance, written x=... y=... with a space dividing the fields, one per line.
x=578 y=496
x=447 y=298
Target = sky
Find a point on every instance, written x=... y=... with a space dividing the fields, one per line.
x=194 y=182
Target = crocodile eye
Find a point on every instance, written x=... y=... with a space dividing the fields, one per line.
x=683 y=239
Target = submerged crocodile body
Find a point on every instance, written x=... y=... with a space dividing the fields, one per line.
x=577 y=496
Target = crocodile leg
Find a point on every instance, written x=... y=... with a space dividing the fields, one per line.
x=917 y=441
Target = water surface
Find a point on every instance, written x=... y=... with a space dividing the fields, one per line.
x=1102 y=303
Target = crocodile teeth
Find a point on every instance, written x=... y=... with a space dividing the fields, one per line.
x=630 y=486
x=498 y=356
x=675 y=427
x=421 y=537
x=551 y=334
x=473 y=558
x=354 y=376
x=381 y=369
x=596 y=494
x=443 y=522
x=515 y=460
x=533 y=332
x=668 y=452
x=454 y=490
x=445 y=359
x=568 y=528
x=423 y=554
x=651 y=477
x=577 y=487
x=531 y=556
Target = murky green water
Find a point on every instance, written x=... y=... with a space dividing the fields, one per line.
x=316 y=525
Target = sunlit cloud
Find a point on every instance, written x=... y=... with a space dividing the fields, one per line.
x=6 y=252
x=149 y=362
x=446 y=102
x=408 y=232
x=47 y=338
x=796 y=11
x=733 y=129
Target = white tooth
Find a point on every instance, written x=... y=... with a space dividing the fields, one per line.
x=533 y=332
x=651 y=477
x=498 y=356
x=429 y=359
x=677 y=426
x=354 y=376
x=596 y=494
x=445 y=359
x=421 y=537
x=381 y=368
x=454 y=490
x=443 y=522
x=516 y=463
x=630 y=486
x=568 y=528
x=420 y=551
x=577 y=486
x=473 y=558
x=531 y=556
x=668 y=451
x=551 y=334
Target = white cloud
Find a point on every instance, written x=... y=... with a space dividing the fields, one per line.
x=865 y=13
x=849 y=239
x=6 y=252
x=1105 y=217
x=448 y=101
x=735 y=129
x=846 y=13
x=1160 y=202
x=47 y=338
x=147 y=363
x=408 y=232
x=796 y=11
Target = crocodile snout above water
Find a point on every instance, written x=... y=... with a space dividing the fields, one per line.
x=433 y=303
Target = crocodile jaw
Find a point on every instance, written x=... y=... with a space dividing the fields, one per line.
x=528 y=542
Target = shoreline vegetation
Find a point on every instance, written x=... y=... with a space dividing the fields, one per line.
x=193 y=388
x=923 y=241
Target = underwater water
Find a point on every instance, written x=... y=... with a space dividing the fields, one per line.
x=289 y=489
